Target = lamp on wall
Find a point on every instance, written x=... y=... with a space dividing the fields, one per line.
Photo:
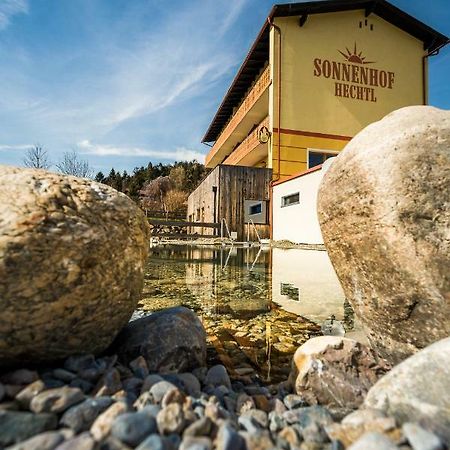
x=263 y=135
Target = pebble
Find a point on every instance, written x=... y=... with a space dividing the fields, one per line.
x=83 y=441
x=56 y=400
x=16 y=426
x=82 y=416
x=109 y=384
x=373 y=441
x=201 y=427
x=191 y=384
x=421 y=439
x=139 y=367
x=103 y=423
x=44 y=441
x=260 y=417
x=229 y=439
x=64 y=375
x=293 y=401
x=218 y=376
x=79 y=362
x=150 y=381
x=133 y=428
x=171 y=419
x=154 y=442
x=20 y=377
x=173 y=396
x=159 y=389
x=196 y=443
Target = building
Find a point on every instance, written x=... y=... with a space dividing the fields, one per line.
x=237 y=195
x=294 y=206
x=317 y=73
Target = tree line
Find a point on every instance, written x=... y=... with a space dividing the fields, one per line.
x=159 y=187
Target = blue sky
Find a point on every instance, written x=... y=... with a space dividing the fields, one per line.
x=127 y=82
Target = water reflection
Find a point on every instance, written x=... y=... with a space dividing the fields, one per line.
x=257 y=306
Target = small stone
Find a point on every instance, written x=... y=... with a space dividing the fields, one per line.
x=84 y=385
x=159 y=389
x=312 y=421
x=154 y=442
x=133 y=384
x=290 y=435
x=201 y=427
x=17 y=426
x=259 y=440
x=249 y=424
x=132 y=428
x=293 y=401
x=151 y=410
x=44 y=441
x=78 y=363
x=80 y=417
x=278 y=406
x=244 y=403
x=276 y=422
x=111 y=443
x=2 y=391
x=229 y=439
x=171 y=419
x=150 y=381
x=20 y=376
x=102 y=424
x=173 y=396
x=262 y=402
x=191 y=384
x=421 y=439
x=200 y=373
x=260 y=417
x=82 y=442
x=109 y=384
x=373 y=441
x=139 y=367
x=218 y=376
x=64 y=375
x=196 y=443
x=56 y=400
x=11 y=390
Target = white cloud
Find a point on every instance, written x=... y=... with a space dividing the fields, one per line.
x=10 y=8
x=179 y=154
x=15 y=147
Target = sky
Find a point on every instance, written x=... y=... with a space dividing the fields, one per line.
x=127 y=82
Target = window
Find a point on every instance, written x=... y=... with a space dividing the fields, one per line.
x=289 y=200
x=317 y=158
x=255 y=209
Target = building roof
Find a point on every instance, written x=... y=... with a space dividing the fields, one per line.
x=298 y=175
x=258 y=54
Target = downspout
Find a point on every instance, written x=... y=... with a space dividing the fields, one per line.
x=277 y=28
x=424 y=71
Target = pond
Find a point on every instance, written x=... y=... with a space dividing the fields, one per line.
x=257 y=306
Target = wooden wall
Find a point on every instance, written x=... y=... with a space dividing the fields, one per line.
x=235 y=184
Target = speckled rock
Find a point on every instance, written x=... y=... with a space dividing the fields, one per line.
x=335 y=371
x=103 y=423
x=165 y=351
x=417 y=390
x=56 y=400
x=48 y=440
x=373 y=441
x=71 y=251
x=81 y=442
x=17 y=426
x=384 y=214
x=133 y=428
x=171 y=419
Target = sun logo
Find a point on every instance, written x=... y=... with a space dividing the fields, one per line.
x=355 y=57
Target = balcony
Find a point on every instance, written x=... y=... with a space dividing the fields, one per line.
x=250 y=150
x=250 y=112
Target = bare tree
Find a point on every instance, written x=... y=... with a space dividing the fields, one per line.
x=37 y=158
x=71 y=164
x=153 y=194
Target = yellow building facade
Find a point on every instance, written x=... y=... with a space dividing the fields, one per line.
x=316 y=75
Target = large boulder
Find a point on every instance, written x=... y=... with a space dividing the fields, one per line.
x=335 y=371
x=170 y=340
x=384 y=212
x=417 y=390
x=72 y=253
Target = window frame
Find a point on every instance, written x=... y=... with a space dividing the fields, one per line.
x=318 y=150
x=283 y=197
x=250 y=213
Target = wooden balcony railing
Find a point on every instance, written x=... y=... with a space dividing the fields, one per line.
x=258 y=89
x=247 y=145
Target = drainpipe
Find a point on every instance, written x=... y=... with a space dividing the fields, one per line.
x=424 y=71
x=277 y=28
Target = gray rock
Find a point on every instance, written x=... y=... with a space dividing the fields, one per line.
x=373 y=441
x=111 y=443
x=2 y=391
x=218 y=376
x=191 y=384
x=201 y=427
x=133 y=384
x=103 y=423
x=151 y=410
x=276 y=422
x=149 y=381
x=171 y=419
x=172 y=340
x=48 y=440
x=84 y=385
x=109 y=384
x=61 y=235
x=139 y=367
x=229 y=439
x=196 y=443
x=64 y=375
x=385 y=229
x=155 y=442
x=82 y=416
x=81 y=442
x=20 y=376
x=77 y=363
x=56 y=400
x=133 y=428
x=421 y=439
x=260 y=417
x=335 y=371
x=416 y=390
x=17 y=426
x=311 y=422
x=249 y=424
x=160 y=389
x=293 y=401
